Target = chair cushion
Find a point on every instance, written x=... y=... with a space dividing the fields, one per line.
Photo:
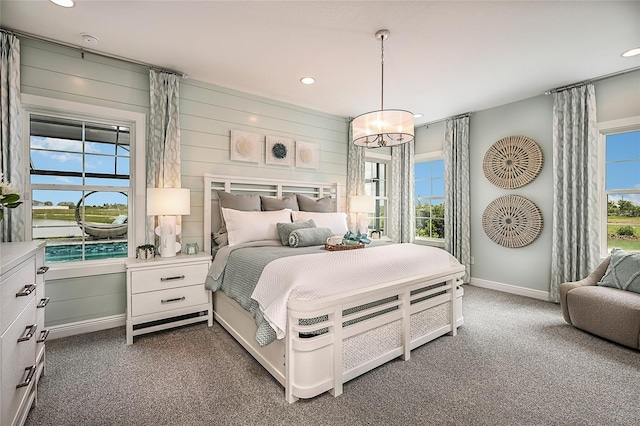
x=623 y=271
x=607 y=312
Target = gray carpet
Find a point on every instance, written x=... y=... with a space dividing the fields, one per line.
x=514 y=362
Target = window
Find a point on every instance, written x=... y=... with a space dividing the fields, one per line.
x=429 y=199
x=376 y=184
x=80 y=175
x=621 y=194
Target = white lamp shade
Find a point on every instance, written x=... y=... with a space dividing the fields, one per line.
x=363 y=204
x=387 y=127
x=168 y=201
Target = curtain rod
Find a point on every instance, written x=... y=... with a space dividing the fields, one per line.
x=453 y=117
x=93 y=52
x=582 y=83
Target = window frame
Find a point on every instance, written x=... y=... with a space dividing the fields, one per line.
x=39 y=105
x=424 y=158
x=605 y=129
x=376 y=157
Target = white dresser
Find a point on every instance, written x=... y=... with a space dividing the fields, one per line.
x=22 y=303
x=166 y=292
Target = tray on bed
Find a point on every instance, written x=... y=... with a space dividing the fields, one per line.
x=338 y=247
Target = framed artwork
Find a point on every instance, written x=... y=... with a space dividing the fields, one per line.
x=307 y=155
x=245 y=146
x=278 y=150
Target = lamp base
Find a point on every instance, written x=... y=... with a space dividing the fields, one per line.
x=168 y=230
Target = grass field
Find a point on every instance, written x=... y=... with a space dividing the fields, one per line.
x=92 y=214
x=627 y=245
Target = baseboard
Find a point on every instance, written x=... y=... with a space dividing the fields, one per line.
x=508 y=288
x=87 y=326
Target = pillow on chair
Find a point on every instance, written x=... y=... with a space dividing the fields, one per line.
x=623 y=271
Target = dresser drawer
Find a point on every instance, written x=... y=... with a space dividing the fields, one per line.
x=17 y=360
x=169 y=277
x=16 y=282
x=167 y=300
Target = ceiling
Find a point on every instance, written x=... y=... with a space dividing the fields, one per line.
x=442 y=58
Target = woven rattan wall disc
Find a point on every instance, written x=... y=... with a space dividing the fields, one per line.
x=512 y=162
x=512 y=221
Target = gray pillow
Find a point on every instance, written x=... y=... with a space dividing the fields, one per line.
x=284 y=229
x=273 y=203
x=321 y=205
x=309 y=237
x=246 y=203
x=623 y=271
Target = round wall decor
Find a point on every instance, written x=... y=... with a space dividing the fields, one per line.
x=512 y=221
x=512 y=162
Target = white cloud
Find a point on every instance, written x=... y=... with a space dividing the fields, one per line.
x=634 y=198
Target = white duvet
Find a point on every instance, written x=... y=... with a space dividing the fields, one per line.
x=314 y=276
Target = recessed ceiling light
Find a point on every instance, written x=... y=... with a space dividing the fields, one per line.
x=307 y=80
x=632 y=52
x=417 y=115
x=64 y=3
x=88 y=38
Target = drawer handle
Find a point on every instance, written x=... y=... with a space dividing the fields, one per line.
x=32 y=371
x=31 y=329
x=42 y=270
x=43 y=335
x=175 y=299
x=27 y=290
x=43 y=302
x=177 y=277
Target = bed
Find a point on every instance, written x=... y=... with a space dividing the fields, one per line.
x=368 y=316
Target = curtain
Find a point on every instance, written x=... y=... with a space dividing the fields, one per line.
x=355 y=176
x=402 y=210
x=575 y=240
x=13 y=226
x=457 y=212
x=163 y=141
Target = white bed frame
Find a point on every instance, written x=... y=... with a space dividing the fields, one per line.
x=309 y=366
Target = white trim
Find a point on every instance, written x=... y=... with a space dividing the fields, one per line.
x=615 y=126
x=89 y=268
x=376 y=156
x=428 y=156
x=512 y=289
x=87 y=326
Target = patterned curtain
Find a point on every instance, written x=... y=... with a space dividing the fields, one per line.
x=402 y=210
x=575 y=250
x=355 y=176
x=163 y=141
x=12 y=227
x=457 y=234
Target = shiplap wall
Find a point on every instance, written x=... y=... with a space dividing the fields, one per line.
x=208 y=113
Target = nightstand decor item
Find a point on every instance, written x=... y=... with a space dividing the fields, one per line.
x=167 y=203
x=145 y=251
x=512 y=162
x=191 y=248
x=512 y=221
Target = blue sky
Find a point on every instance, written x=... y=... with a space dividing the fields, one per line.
x=623 y=164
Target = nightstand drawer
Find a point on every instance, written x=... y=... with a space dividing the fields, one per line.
x=16 y=291
x=167 y=300
x=169 y=277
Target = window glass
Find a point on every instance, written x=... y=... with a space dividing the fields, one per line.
x=80 y=181
x=429 y=199
x=376 y=186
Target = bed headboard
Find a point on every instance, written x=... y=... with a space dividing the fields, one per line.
x=267 y=187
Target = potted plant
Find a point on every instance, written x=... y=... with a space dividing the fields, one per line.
x=146 y=251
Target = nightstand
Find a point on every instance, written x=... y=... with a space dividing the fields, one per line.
x=166 y=292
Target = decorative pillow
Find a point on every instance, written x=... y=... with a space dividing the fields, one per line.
x=623 y=271
x=337 y=222
x=243 y=202
x=284 y=229
x=306 y=237
x=273 y=203
x=245 y=226
x=220 y=237
x=308 y=204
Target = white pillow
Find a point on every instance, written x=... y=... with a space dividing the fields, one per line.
x=244 y=226
x=337 y=222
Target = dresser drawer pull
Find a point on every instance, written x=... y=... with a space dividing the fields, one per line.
x=32 y=371
x=175 y=299
x=31 y=329
x=43 y=335
x=42 y=270
x=43 y=302
x=177 y=277
x=27 y=290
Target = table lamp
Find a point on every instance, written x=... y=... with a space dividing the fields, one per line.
x=362 y=205
x=168 y=203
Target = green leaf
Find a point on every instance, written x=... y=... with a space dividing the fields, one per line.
x=10 y=198
x=14 y=205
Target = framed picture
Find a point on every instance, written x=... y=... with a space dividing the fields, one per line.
x=307 y=155
x=278 y=150
x=245 y=146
